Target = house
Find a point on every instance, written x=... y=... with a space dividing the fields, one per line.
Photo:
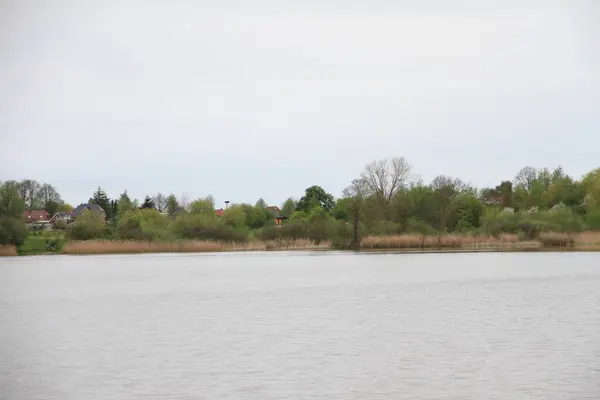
x=61 y=216
x=276 y=212
x=220 y=212
x=85 y=208
x=35 y=216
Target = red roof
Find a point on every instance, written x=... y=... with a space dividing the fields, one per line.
x=36 y=215
x=219 y=212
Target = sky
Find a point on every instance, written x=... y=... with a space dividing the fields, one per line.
x=245 y=101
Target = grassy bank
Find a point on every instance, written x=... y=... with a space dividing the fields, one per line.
x=586 y=241
x=187 y=246
x=42 y=243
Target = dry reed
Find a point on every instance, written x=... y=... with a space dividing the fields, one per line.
x=191 y=246
x=8 y=250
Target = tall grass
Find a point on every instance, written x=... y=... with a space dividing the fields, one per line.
x=450 y=241
x=550 y=240
x=187 y=246
x=7 y=250
x=584 y=240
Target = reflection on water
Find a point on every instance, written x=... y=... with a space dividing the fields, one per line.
x=301 y=326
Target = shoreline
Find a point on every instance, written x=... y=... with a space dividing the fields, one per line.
x=499 y=249
x=399 y=244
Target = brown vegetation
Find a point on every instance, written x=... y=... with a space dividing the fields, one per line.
x=8 y=250
x=188 y=246
x=583 y=241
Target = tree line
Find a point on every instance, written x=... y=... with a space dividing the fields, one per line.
x=385 y=199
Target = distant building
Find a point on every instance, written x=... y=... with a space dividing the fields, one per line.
x=35 y=216
x=85 y=208
x=276 y=212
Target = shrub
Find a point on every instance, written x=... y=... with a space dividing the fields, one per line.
x=592 y=220
x=88 y=226
x=12 y=231
x=203 y=227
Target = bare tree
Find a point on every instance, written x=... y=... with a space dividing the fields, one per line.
x=160 y=201
x=385 y=178
x=29 y=192
x=184 y=201
x=357 y=191
x=526 y=177
x=48 y=194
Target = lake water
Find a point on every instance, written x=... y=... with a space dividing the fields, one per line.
x=301 y=326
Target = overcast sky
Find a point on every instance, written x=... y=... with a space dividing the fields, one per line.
x=243 y=101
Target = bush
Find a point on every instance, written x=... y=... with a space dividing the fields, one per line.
x=592 y=220
x=203 y=227
x=414 y=225
x=88 y=226
x=12 y=231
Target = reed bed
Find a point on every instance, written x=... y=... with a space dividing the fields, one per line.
x=8 y=250
x=450 y=241
x=409 y=242
x=192 y=246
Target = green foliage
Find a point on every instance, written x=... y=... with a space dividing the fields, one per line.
x=235 y=216
x=64 y=207
x=88 y=226
x=124 y=205
x=414 y=225
x=465 y=213
x=144 y=224
x=288 y=207
x=203 y=206
x=256 y=217
x=341 y=209
x=172 y=204
x=202 y=227
x=99 y=197
x=11 y=203
x=12 y=230
x=315 y=196
x=592 y=220
x=261 y=204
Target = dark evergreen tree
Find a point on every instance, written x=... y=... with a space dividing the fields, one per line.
x=148 y=203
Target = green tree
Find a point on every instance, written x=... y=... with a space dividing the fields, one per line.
x=204 y=206
x=321 y=225
x=288 y=207
x=591 y=185
x=12 y=230
x=356 y=193
x=315 y=196
x=256 y=217
x=445 y=189
x=64 y=207
x=172 y=204
x=235 y=216
x=88 y=226
x=124 y=205
x=466 y=211
x=260 y=203
x=11 y=203
x=99 y=197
